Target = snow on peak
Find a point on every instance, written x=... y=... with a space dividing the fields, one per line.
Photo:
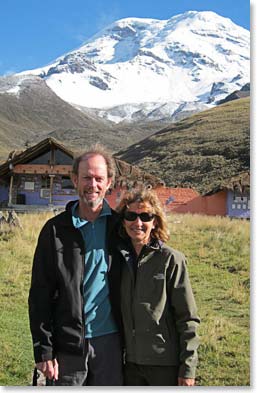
x=135 y=61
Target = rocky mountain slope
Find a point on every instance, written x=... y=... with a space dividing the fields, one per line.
x=30 y=111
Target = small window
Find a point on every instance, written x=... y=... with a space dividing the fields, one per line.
x=45 y=182
x=44 y=193
x=29 y=185
x=67 y=183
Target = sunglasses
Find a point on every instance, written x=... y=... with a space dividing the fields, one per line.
x=144 y=217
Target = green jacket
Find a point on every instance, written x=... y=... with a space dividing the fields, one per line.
x=158 y=309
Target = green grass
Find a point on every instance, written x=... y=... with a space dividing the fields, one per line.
x=16 y=251
x=217 y=250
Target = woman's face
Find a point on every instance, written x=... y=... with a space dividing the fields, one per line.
x=139 y=230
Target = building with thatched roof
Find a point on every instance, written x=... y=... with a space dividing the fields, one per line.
x=39 y=177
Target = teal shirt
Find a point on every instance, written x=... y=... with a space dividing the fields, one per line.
x=97 y=307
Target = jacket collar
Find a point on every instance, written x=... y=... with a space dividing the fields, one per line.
x=126 y=248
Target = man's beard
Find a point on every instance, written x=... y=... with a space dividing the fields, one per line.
x=94 y=203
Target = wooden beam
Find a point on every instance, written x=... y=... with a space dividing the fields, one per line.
x=43 y=169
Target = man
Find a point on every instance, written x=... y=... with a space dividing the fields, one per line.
x=74 y=295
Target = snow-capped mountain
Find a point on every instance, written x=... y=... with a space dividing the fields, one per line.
x=153 y=69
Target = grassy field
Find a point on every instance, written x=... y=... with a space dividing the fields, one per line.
x=218 y=253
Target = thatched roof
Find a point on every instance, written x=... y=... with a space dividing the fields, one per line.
x=240 y=183
x=22 y=157
x=126 y=174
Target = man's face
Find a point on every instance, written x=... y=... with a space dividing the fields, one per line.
x=92 y=181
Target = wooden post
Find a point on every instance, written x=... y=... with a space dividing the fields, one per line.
x=51 y=189
x=10 y=190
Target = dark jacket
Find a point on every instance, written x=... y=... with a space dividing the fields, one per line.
x=56 y=293
x=158 y=309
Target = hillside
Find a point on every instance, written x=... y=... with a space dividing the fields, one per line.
x=33 y=111
x=200 y=150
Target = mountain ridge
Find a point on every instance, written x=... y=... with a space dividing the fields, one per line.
x=195 y=59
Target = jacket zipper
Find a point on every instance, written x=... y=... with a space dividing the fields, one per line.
x=135 y=287
x=135 y=297
x=133 y=279
x=134 y=307
x=83 y=305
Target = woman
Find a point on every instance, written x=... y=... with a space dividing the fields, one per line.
x=158 y=308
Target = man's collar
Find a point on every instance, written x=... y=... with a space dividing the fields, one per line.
x=78 y=221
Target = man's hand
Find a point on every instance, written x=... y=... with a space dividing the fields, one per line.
x=49 y=369
x=186 y=382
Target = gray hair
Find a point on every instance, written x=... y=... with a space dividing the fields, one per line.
x=96 y=149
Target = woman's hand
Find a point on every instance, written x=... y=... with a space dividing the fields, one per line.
x=49 y=369
x=186 y=382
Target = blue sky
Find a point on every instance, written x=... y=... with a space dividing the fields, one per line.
x=34 y=33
